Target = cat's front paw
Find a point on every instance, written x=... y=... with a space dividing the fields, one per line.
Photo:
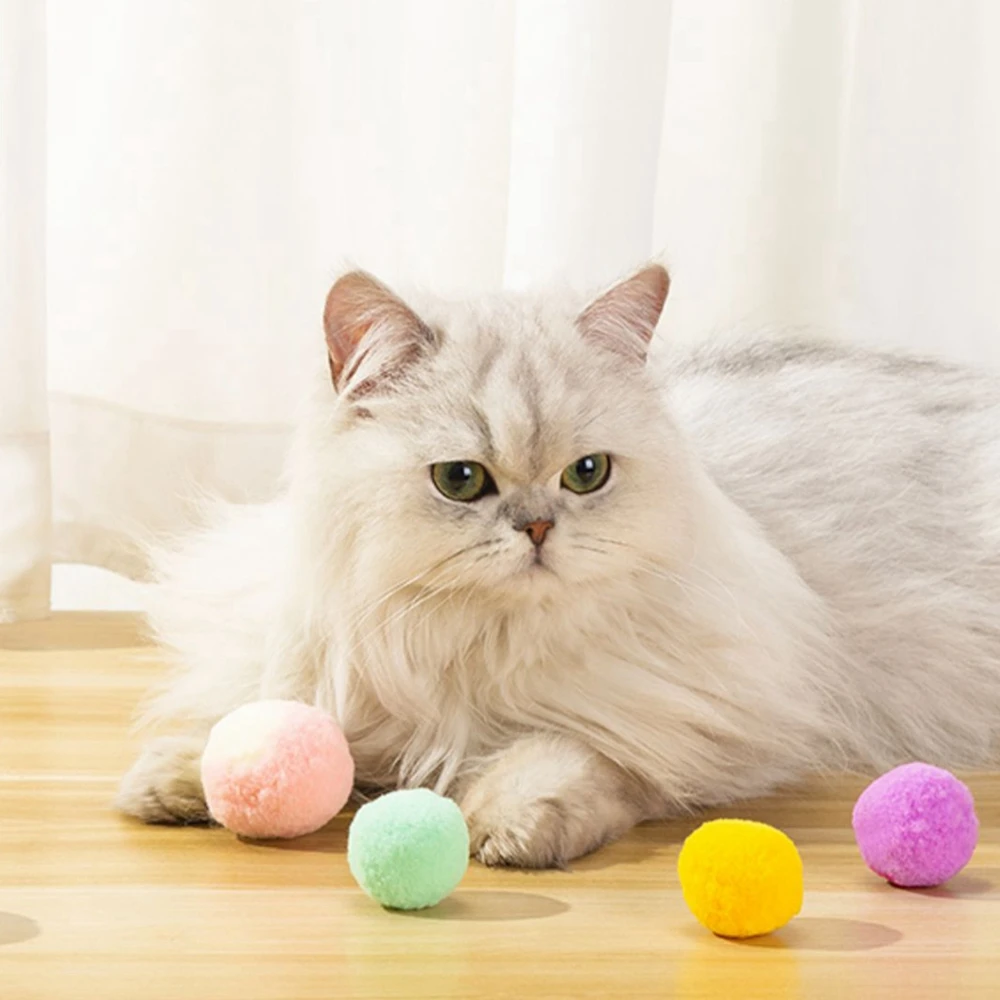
x=510 y=828
x=521 y=835
x=164 y=784
x=546 y=800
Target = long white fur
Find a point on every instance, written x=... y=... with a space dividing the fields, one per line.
x=793 y=567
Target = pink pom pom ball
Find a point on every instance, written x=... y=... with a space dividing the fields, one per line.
x=916 y=826
x=276 y=769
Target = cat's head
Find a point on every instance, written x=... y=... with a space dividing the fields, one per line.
x=516 y=447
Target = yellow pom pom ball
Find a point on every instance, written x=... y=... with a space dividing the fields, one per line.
x=740 y=878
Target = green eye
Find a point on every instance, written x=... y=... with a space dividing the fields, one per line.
x=462 y=481
x=587 y=474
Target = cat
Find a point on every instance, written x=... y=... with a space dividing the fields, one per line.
x=576 y=583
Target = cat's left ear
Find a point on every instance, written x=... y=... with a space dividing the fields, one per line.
x=372 y=336
x=623 y=319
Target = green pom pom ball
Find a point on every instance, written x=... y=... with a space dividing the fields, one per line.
x=408 y=850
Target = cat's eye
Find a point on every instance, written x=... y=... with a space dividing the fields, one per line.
x=462 y=481
x=587 y=474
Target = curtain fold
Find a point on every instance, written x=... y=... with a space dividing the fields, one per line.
x=25 y=504
x=180 y=180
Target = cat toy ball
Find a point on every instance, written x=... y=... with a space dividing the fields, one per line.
x=740 y=878
x=409 y=849
x=276 y=769
x=916 y=826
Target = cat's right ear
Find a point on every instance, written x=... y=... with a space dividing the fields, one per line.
x=623 y=319
x=371 y=334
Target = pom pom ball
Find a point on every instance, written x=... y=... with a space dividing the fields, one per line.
x=409 y=849
x=916 y=825
x=276 y=769
x=740 y=878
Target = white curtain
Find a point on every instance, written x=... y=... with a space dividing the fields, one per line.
x=181 y=179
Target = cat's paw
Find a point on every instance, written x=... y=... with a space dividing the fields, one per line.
x=546 y=800
x=519 y=833
x=164 y=784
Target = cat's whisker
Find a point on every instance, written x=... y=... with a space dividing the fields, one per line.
x=379 y=601
x=610 y=541
x=420 y=599
x=415 y=627
x=683 y=583
x=416 y=578
x=591 y=548
x=406 y=609
x=493 y=546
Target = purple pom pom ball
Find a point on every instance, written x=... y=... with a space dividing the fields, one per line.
x=916 y=826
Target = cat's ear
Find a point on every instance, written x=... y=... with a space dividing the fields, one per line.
x=371 y=334
x=623 y=319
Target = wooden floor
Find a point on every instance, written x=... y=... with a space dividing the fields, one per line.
x=92 y=905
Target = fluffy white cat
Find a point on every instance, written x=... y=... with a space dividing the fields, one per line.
x=576 y=591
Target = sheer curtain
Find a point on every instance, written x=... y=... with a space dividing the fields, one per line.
x=181 y=179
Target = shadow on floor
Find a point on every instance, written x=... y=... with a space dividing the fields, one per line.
x=486 y=905
x=965 y=885
x=827 y=934
x=332 y=839
x=15 y=928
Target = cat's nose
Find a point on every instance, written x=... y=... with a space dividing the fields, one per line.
x=537 y=530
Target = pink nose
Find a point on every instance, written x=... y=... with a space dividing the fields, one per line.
x=537 y=530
